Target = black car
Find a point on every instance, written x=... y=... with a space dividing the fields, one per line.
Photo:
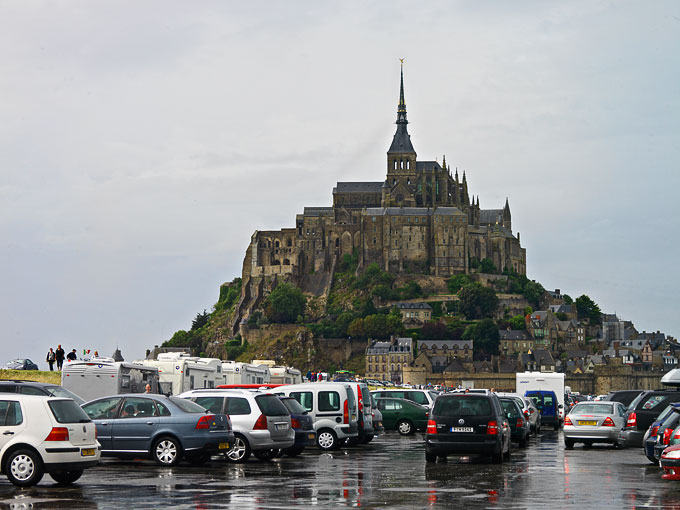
x=302 y=423
x=21 y=364
x=663 y=436
x=623 y=396
x=642 y=412
x=519 y=424
x=467 y=424
x=38 y=388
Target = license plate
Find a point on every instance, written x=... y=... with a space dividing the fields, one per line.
x=88 y=452
x=311 y=436
x=462 y=429
x=587 y=422
x=223 y=446
x=281 y=426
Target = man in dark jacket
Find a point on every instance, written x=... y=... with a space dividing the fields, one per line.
x=59 y=355
x=72 y=356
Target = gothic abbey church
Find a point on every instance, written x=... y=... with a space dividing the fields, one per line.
x=420 y=218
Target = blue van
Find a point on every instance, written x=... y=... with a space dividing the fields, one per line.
x=546 y=402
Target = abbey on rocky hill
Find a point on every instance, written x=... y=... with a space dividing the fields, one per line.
x=420 y=218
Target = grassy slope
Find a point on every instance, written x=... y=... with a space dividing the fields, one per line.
x=32 y=375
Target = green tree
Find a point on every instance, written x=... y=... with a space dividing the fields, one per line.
x=285 y=303
x=485 y=336
x=487 y=266
x=477 y=301
x=532 y=292
x=356 y=329
x=588 y=309
x=200 y=320
x=567 y=299
x=517 y=322
x=435 y=331
x=457 y=281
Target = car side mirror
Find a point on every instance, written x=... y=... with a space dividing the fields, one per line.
x=560 y=406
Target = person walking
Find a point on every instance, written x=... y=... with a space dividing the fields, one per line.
x=59 y=356
x=51 y=358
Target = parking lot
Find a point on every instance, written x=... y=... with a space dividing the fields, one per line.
x=390 y=472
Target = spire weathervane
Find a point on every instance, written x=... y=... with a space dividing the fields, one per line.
x=401 y=110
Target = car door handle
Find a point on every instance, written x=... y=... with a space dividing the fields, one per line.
x=8 y=433
x=104 y=424
x=149 y=423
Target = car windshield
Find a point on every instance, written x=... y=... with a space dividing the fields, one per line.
x=593 y=409
x=462 y=406
x=270 y=405
x=510 y=407
x=59 y=391
x=67 y=411
x=293 y=406
x=187 y=405
x=664 y=414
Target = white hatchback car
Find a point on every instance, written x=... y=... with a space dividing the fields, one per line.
x=41 y=434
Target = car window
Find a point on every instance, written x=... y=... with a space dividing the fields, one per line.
x=393 y=405
x=32 y=390
x=138 y=407
x=102 y=409
x=163 y=409
x=270 y=405
x=653 y=401
x=212 y=404
x=67 y=411
x=510 y=407
x=10 y=413
x=187 y=405
x=592 y=409
x=365 y=395
x=418 y=397
x=395 y=394
x=8 y=388
x=237 y=406
x=329 y=401
x=293 y=406
x=636 y=400
x=306 y=399
x=58 y=391
x=465 y=406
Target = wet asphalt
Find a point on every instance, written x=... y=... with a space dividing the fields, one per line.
x=388 y=473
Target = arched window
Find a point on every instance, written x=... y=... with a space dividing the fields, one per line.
x=286 y=262
x=289 y=242
x=276 y=244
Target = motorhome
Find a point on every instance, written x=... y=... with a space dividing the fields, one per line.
x=178 y=372
x=234 y=372
x=280 y=374
x=539 y=386
x=99 y=377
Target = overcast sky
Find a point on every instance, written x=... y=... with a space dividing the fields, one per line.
x=142 y=143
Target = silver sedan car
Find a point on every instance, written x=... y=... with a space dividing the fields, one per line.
x=594 y=422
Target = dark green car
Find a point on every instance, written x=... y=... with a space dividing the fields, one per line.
x=402 y=415
x=519 y=425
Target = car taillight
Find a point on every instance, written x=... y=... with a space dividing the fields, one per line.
x=666 y=436
x=492 y=428
x=345 y=413
x=655 y=431
x=57 y=434
x=567 y=420
x=526 y=413
x=520 y=423
x=295 y=423
x=431 y=427
x=361 y=402
x=204 y=421
x=608 y=422
x=261 y=423
x=632 y=420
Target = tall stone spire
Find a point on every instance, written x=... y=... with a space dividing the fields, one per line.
x=401 y=143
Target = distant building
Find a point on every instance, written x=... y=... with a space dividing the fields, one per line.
x=414 y=314
x=385 y=360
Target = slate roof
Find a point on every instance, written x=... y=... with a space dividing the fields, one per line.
x=358 y=187
x=413 y=211
x=455 y=366
x=413 y=306
x=424 y=166
x=401 y=345
x=450 y=344
x=490 y=216
x=577 y=353
x=401 y=143
x=513 y=334
x=318 y=211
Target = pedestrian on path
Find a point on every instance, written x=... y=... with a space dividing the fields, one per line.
x=51 y=358
x=59 y=355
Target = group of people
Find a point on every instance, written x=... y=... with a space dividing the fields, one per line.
x=58 y=356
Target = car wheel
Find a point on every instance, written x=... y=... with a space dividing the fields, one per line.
x=405 y=428
x=523 y=442
x=430 y=457
x=652 y=460
x=294 y=451
x=240 y=451
x=557 y=426
x=24 y=468
x=538 y=428
x=497 y=458
x=66 y=477
x=264 y=454
x=327 y=440
x=166 y=451
x=507 y=454
x=569 y=443
x=367 y=439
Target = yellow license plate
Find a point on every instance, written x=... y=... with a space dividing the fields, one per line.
x=587 y=422
x=88 y=452
x=223 y=446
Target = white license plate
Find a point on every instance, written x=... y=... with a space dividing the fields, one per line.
x=462 y=429
x=281 y=426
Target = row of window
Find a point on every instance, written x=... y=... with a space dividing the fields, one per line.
x=397 y=358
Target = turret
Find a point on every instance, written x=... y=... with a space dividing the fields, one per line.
x=401 y=156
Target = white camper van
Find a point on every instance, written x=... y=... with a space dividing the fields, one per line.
x=537 y=383
x=178 y=372
x=234 y=372
x=99 y=377
x=285 y=375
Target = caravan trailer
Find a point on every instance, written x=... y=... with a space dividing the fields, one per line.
x=234 y=372
x=100 y=377
x=285 y=375
x=179 y=372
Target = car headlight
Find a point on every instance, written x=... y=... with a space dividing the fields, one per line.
x=673 y=454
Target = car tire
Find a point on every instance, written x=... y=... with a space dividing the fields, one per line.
x=405 y=428
x=353 y=441
x=326 y=439
x=507 y=454
x=497 y=458
x=557 y=426
x=294 y=451
x=538 y=428
x=430 y=457
x=240 y=450
x=367 y=439
x=166 y=451
x=24 y=468
x=264 y=454
x=568 y=443
x=652 y=460
x=523 y=442
x=66 y=477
